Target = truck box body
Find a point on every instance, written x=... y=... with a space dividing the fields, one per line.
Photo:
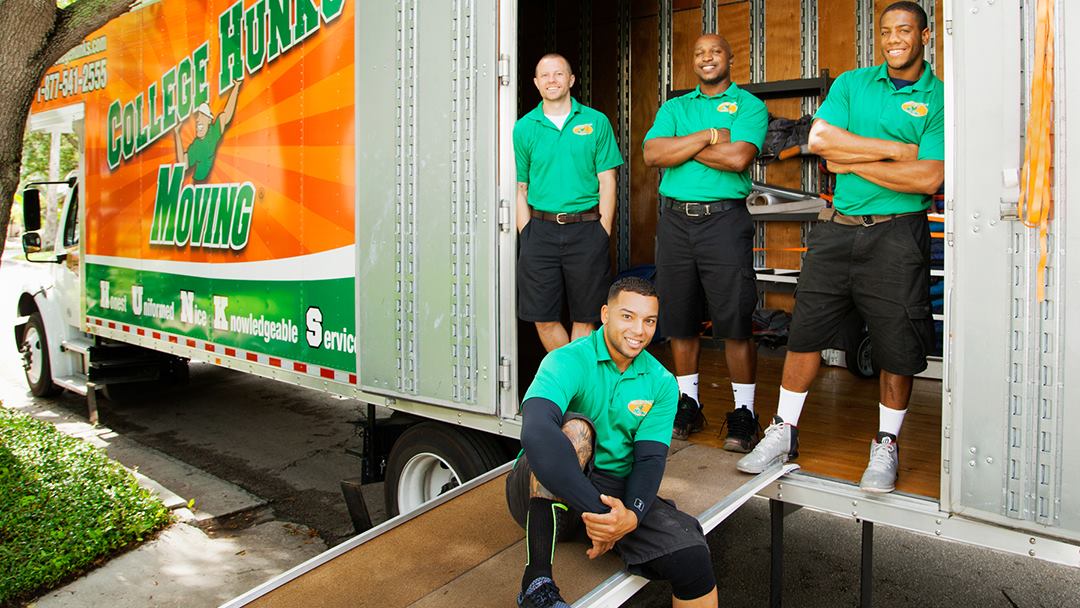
x=356 y=233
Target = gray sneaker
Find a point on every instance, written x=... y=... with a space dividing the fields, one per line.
x=880 y=474
x=780 y=444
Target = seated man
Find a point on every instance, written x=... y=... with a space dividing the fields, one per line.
x=596 y=424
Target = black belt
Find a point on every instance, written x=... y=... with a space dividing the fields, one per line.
x=589 y=215
x=830 y=214
x=692 y=209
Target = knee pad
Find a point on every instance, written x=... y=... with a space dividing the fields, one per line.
x=689 y=570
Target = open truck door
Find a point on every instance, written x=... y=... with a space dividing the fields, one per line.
x=427 y=288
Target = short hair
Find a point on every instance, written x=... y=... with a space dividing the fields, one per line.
x=723 y=42
x=569 y=68
x=636 y=285
x=911 y=7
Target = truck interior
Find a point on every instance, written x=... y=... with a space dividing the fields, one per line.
x=787 y=55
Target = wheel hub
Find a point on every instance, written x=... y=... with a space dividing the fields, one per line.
x=424 y=477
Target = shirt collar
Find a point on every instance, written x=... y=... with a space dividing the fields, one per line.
x=602 y=353
x=731 y=91
x=537 y=113
x=924 y=83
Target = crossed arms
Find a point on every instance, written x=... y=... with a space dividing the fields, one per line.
x=889 y=164
x=724 y=155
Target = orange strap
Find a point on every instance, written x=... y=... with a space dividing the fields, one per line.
x=1036 y=179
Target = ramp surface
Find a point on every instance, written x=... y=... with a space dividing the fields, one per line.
x=469 y=552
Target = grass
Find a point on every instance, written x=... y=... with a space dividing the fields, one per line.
x=64 y=507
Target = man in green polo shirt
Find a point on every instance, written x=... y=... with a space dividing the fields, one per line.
x=199 y=156
x=882 y=132
x=706 y=141
x=596 y=424
x=566 y=159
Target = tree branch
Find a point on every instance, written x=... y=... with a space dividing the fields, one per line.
x=78 y=20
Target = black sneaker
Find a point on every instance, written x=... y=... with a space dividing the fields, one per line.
x=743 y=430
x=688 y=418
x=542 y=593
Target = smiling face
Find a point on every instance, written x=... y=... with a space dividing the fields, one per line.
x=629 y=325
x=902 y=42
x=712 y=59
x=553 y=78
x=202 y=124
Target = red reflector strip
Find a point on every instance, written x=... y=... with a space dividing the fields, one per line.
x=326 y=373
x=230 y=352
x=251 y=356
x=275 y=362
x=299 y=367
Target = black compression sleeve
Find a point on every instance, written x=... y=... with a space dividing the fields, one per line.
x=552 y=457
x=650 y=458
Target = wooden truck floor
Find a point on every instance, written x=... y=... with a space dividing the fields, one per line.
x=464 y=549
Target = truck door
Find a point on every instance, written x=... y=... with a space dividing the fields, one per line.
x=427 y=210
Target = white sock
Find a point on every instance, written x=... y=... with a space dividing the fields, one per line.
x=790 y=406
x=688 y=386
x=890 y=420
x=744 y=395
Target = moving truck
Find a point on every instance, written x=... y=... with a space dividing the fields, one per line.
x=321 y=192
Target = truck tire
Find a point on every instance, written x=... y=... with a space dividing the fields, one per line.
x=431 y=458
x=34 y=347
x=860 y=360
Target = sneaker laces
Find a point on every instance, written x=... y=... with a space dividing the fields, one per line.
x=685 y=412
x=882 y=454
x=742 y=425
x=543 y=592
x=773 y=435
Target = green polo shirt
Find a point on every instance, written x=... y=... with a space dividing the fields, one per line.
x=202 y=151
x=734 y=109
x=635 y=405
x=865 y=102
x=561 y=166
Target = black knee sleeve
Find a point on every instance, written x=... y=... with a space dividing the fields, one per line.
x=689 y=570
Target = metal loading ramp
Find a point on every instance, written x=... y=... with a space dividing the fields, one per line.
x=464 y=549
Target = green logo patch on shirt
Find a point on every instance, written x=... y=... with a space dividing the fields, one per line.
x=639 y=407
x=916 y=109
x=585 y=129
x=728 y=107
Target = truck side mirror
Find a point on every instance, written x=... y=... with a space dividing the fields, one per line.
x=31 y=243
x=32 y=211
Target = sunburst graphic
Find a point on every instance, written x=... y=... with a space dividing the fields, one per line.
x=292 y=137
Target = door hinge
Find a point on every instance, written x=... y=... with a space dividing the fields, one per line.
x=504 y=215
x=504 y=69
x=504 y=373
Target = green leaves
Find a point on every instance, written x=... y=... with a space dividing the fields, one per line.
x=63 y=506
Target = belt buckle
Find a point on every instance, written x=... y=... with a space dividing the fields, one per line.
x=868 y=220
x=690 y=206
x=560 y=218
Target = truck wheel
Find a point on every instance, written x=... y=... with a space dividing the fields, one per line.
x=35 y=352
x=860 y=360
x=430 y=459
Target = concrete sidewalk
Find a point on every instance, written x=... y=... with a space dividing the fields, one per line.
x=225 y=544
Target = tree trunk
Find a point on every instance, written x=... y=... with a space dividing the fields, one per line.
x=34 y=34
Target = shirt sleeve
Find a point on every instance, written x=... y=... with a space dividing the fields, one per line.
x=751 y=123
x=932 y=142
x=835 y=110
x=607 y=150
x=650 y=458
x=552 y=457
x=664 y=125
x=521 y=154
x=557 y=380
x=661 y=417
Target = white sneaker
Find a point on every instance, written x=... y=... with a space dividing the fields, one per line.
x=780 y=444
x=880 y=474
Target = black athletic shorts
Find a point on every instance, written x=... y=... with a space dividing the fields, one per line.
x=662 y=531
x=557 y=259
x=706 y=259
x=883 y=271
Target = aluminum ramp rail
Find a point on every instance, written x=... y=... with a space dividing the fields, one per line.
x=463 y=549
